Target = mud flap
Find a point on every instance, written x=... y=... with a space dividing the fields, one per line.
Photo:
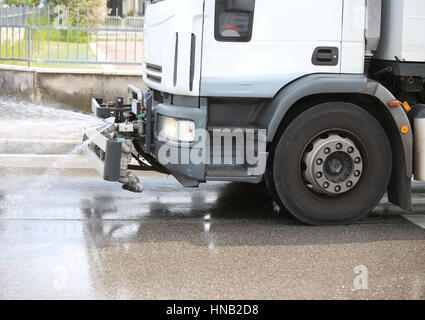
x=103 y=153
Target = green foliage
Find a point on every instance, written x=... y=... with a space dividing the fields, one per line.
x=73 y=36
x=82 y=13
x=96 y=10
x=44 y=50
x=23 y=2
x=64 y=35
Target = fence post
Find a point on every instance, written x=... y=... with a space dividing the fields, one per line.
x=29 y=46
x=38 y=33
x=19 y=30
x=29 y=41
x=106 y=40
x=1 y=27
x=7 y=32
x=87 y=35
x=33 y=32
x=59 y=12
x=48 y=31
x=78 y=33
x=97 y=35
x=13 y=32
x=67 y=35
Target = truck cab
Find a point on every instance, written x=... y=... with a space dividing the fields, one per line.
x=248 y=48
x=302 y=95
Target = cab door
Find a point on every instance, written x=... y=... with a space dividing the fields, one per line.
x=252 y=48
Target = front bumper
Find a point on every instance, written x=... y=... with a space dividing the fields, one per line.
x=104 y=152
x=186 y=171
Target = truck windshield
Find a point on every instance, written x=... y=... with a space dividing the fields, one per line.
x=234 y=20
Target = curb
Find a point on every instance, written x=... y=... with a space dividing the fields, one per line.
x=71 y=71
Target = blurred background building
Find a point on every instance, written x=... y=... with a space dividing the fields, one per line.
x=127 y=7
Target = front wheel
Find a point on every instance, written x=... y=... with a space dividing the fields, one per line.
x=332 y=164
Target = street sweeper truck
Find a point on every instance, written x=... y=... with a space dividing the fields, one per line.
x=321 y=100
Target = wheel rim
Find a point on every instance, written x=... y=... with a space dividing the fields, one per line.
x=332 y=164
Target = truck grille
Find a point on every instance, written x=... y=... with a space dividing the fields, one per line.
x=154 y=68
x=157 y=96
x=154 y=72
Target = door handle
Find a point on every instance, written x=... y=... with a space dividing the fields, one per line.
x=325 y=56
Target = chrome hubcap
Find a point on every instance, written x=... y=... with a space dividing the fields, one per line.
x=332 y=165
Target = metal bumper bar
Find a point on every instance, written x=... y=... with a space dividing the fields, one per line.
x=103 y=153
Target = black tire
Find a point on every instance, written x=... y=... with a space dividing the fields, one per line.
x=320 y=209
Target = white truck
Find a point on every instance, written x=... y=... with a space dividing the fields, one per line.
x=327 y=96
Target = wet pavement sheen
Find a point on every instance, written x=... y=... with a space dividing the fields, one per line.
x=71 y=235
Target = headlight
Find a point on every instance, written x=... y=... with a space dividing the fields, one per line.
x=176 y=129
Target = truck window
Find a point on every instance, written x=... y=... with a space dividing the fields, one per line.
x=234 y=20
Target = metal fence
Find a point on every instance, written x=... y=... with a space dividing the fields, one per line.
x=64 y=35
x=14 y=15
x=131 y=22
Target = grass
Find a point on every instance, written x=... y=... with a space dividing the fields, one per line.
x=59 y=49
x=64 y=51
x=54 y=51
x=57 y=44
x=64 y=36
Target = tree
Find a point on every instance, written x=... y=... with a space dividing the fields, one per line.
x=94 y=7
x=23 y=2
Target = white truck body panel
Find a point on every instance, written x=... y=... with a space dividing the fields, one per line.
x=403 y=26
x=163 y=21
x=353 y=37
x=280 y=49
x=284 y=37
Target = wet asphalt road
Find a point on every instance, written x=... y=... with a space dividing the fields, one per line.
x=67 y=234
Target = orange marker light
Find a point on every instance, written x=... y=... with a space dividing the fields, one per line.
x=394 y=104
x=406 y=106
x=404 y=129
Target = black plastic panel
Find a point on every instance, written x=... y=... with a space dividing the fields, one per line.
x=325 y=56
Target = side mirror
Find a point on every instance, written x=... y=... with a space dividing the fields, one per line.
x=240 y=5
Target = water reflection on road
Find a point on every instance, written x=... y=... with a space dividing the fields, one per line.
x=80 y=237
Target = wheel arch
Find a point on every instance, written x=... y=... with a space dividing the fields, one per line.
x=312 y=90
